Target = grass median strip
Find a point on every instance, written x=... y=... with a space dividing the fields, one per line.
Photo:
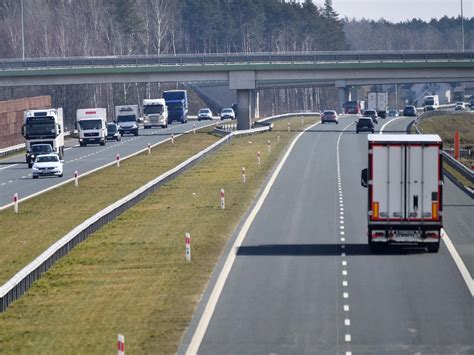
x=46 y=218
x=131 y=277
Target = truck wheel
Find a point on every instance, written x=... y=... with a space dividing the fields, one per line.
x=433 y=248
x=135 y=133
x=30 y=165
x=357 y=131
x=102 y=143
x=35 y=177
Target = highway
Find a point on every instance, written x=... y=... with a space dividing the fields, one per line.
x=304 y=281
x=15 y=176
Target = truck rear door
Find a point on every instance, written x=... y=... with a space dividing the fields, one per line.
x=405 y=182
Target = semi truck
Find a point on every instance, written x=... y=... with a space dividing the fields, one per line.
x=378 y=101
x=42 y=127
x=126 y=117
x=431 y=102
x=155 y=113
x=177 y=102
x=405 y=190
x=92 y=126
x=354 y=107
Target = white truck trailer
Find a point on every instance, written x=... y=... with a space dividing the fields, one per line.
x=155 y=113
x=43 y=127
x=405 y=190
x=378 y=101
x=126 y=117
x=92 y=126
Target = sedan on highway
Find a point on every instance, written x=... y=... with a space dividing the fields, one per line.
x=329 y=116
x=204 y=114
x=113 y=132
x=409 y=111
x=392 y=113
x=227 y=113
x=365 y=124
x=47 y=165
x=372 y=114
x=460 y=106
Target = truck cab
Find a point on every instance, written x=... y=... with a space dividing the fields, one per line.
x=177 y=103
x=155 y=113
x=92 y=126
x=127 y=119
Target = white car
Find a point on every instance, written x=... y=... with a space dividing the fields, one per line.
x=204 y=114
x=460 y=106
x=227 y=113
x=47 y=165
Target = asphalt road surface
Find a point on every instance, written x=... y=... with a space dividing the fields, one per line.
x=304 y=280
x=15 y=176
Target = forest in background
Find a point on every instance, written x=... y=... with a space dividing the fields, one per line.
x=64 y=28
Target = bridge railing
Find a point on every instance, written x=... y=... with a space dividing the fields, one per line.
x=237 y=58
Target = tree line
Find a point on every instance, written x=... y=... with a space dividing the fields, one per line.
x=65 y=28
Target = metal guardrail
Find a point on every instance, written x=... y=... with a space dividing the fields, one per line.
x=238 y=58
x=22 y=281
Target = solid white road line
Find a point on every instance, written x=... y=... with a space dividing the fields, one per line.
x=219 y=286
x=387 y=123
x=459 y=263
x=8 y=166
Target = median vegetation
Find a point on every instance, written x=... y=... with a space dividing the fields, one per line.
x=131 y=277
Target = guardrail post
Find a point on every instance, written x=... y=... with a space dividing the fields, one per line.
x=187 y=239
x=76 y=178
x=117 y=159
x=456 y=144
x=278 y=136
x=258 y=157
x=244 y=177
x=15 y=202
x=172 y=138
x=222 y=199
x=149 y=148
x=121 y=345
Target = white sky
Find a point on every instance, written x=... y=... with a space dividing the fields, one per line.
x=401 y=10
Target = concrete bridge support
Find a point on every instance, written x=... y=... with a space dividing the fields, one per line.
x=243 y=109
x=245 y=84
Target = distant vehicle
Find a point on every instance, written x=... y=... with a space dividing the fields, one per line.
x=43 y=127
x=431 y=102
x=329 y=116
x=113 y=132
x=177 y=102
x=392 y=113
x=409 y=111
x=155 y=113
x=47 y=165
x=204 y=114
x=227 y=113
x=354 y=107
x=405 y=190
x=460 y=106
x=372 y=114
x=126 y=117
x=36 y=150
x=365 y=124
x=92 y=126
x=378 y=101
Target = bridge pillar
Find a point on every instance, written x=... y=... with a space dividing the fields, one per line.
x=243 y=109
x=244 y=82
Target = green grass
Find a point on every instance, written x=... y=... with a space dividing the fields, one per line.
x=446 y=125
x=46 y=218
x=131 y=277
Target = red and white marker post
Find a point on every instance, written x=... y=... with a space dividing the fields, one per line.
x=172 y=138
x=289 y=127
x=76 y=178
x=222 y=199
x=244 y=177
x=258 y=157
x=117 y=159
x=187 y=239
x=278 y=136
x=149 y=148
x=121 y=344
x=269 y=145
x=302 y=120
x=15 y=202
x=194 y=128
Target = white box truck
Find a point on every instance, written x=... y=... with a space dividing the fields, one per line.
x=431 y=103
x=41 y=127
x=378 y=101
x=92 y=126
x=126 y=117
x=155 y=113
x=405 y=190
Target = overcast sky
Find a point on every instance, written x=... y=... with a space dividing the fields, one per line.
x=401 y=10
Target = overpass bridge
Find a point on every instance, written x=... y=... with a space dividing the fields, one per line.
x=247 y=72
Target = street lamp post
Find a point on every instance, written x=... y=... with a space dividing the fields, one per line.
x=22 y=32
x=462 y=27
